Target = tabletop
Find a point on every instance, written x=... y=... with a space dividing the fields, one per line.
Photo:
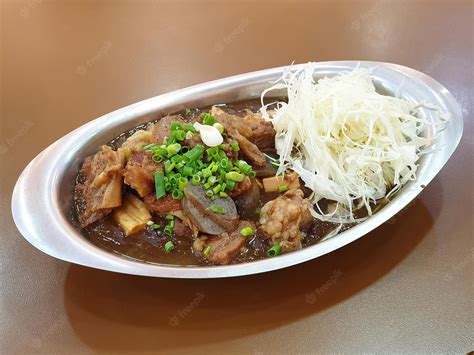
x=406 y=287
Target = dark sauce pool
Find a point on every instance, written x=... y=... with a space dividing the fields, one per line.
x=148 y=245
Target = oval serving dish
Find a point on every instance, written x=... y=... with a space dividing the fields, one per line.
x=44 y=191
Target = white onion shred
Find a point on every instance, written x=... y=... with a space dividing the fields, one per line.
x=348 y=143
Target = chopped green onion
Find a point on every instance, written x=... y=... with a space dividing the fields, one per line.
x=216 y=209
x=209 y=193
x=187 y=171
x=182 y=182
x=188 y=112
x=229 y=185
x=160 y=184
x=195 y=153
x=252 y=174
x=282 y=188
x=219 y=127
x=168 y=230
x=189 y=135
x=217 y=189
x=175 y=126
x=207 y=251
x=234 y=176
x=169 y=246
x=223 y=194
x=226 y=164
x=149 y=147
x=274 y=250
x=188 y=127
x=179 y=135
x=169 y=217
x=206 y=172
x=257 y=210
x=208 y=119
x=247 y=231
x=155 y=226
x=177 y=194
x=235 y=147
x=196 y=179
x=169 y=166
x=173 y=149
x=157 y=158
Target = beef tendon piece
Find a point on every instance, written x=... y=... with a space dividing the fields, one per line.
x=132 y=216
x=140 y=171
x=223 y=248
x=137 y=140
x=231 y=123
x=283 y=219
x=102 y=186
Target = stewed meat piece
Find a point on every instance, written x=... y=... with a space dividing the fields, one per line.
x=253 y=127
x=101 y=189
x=163 y=205
x=231 y=124
x=283 y=219
x=140 y=171
x=226 y=246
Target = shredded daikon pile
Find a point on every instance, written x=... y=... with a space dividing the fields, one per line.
x=348 y=143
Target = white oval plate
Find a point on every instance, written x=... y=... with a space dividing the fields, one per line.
x=43 y=192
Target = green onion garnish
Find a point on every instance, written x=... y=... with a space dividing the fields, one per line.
x=188 y=127
x=175 y=126
x=235 y=147
x=216 y=209
x=207 y=251
x=168 y=230
x=229 y=185
x=219 y=127
x=246 y=232
x=234 y=176
x=169 y=217
x=155 y=226
x=173 y=149
x=208 y=119
x=274 y=250
x=194 y=153
x=257 y=210
x=282 y=188
x=159 y=185
x=177 y=194
x=169 y=246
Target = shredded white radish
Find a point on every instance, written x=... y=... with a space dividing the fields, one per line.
x=348 y=143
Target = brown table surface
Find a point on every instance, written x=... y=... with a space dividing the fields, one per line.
x=406 y=287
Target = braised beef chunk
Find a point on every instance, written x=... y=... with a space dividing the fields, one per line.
x=253 y=127
x=231 y=124
x=284 y=218
x=162 y=128
x=226 y=246
x=162 y=205
x=140 y=171
x=102 y=186
x=262 y=133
